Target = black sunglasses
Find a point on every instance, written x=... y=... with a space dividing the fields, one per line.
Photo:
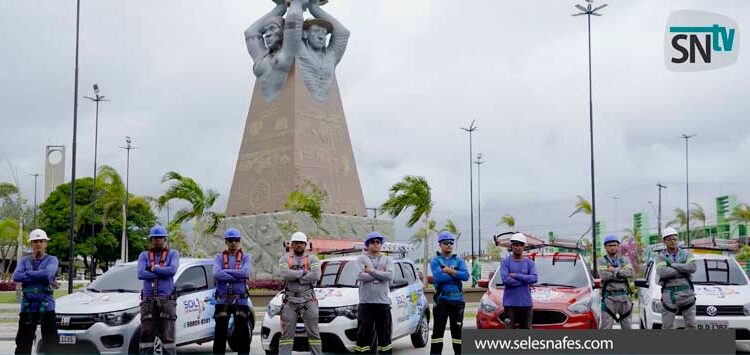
x=233 y=240
x=447 y=242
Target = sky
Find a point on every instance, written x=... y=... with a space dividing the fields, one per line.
x=180 y=80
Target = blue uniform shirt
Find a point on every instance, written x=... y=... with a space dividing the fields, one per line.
x=160 y=276
x=236 y=279
x=37 y=274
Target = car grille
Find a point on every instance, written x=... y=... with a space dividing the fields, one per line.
x=75 y=322
x=722 y=310
x=548 y=317
x=325 y=315
x=742 y=334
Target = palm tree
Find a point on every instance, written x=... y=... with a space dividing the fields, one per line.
x=698 y=214
x=412 y=192
x=423 y=233
x=583 y=206
x=741 y=214
x=507 y=220
x=450 y=226
x=680 y=219
x=186 y=189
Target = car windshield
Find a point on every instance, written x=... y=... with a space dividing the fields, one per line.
x=339 y=273
x=117 y=279
x=563 y=273
x=718 y=272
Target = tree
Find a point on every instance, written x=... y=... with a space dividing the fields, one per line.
x=583 y=206
x=632 y=247
x=414 y=193
x=680 y=219
x=741 y=214
x=8 y=243
x=201 y=201
x=423 y=233
x=744 y=254
x=451 y=227
x=308 y=198
x=178 y=240
x=698 y=214
x=507 y=220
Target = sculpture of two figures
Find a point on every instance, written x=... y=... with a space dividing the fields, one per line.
x=275 y=42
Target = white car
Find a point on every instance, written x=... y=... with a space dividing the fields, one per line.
x=722 y=297
x=105 y=317
x=338 y=297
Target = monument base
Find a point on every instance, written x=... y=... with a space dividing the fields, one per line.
x=263 y=234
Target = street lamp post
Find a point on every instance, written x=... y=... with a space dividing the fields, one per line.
x=124 y=242
x=71 y=271
x=687 y=186
x=616 y=198
x=97 y=99
x=658 y=218
x=472 y=127
x=588 y=11
x=480 y=160
x=35 y=207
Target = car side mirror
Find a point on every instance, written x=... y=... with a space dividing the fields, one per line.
x=642 y=283
x=399 y=284
x=483 y=283
x=597 y=283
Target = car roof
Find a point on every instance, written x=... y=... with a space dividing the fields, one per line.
x=184 y=262
x=354 y=257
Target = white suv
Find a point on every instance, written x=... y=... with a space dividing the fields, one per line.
x=722 y=292
x=338 y=298
x=105 y=318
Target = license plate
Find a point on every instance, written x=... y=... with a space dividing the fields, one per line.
x=67 y=339
x=712 y=325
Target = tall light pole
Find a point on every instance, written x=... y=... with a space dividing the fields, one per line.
x=472 y=127
x=480 y=160
x=36 y=176
x=588 y=11
x=97 y=99
x=616 y=198
x=124 y=243
x=687 y=186
x=71 y=271
x=658 y=216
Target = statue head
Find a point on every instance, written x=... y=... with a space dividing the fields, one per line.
x=273 y=33
x=315 y=33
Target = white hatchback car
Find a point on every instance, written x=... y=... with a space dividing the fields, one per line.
x=722 y=297
x=105 y=317
x=338 y=298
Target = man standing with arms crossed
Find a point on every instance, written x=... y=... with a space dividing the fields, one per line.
x=157 y=267
x=300 y=273
x=518 y=273
x=614 y=271
x=675 y=267
x=232 y=269
x=374 y=312
x=449 y=272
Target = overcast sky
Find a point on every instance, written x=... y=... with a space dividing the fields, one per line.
x=180 y=80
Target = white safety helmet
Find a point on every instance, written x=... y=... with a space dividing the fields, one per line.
x=37 y=234
x=299 y=237
x=668 y=231
x=518 y=238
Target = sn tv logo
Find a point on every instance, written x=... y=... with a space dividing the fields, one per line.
x=698 y=40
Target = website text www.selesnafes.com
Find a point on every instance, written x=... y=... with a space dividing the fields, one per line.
x=532 y=343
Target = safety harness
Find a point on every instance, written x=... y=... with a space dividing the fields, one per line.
x=311 y=291
x=681 y=257
x=605 y=293
x=230 y=307
x=152 y=262
x=439 y=291
x=35 y=298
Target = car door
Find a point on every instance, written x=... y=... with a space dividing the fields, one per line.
x=644 y=295
x=414 y=293
x=399 y=300
x=194 y=308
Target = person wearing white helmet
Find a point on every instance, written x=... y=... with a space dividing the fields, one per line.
x=36 y=274
x=675 y=268
x=614 y=271
x=300 y=272
x=518 y=273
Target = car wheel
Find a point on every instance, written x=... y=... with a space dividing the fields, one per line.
x=421 y=337
x=234 y=342
x=133 y=345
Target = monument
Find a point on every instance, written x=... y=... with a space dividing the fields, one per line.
x=54 y=168
x=296 y=131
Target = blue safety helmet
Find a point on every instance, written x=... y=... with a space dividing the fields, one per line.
x=372 y=236
x=158 y=231
x=232 y=233
x=611 y=239
x=445 y=235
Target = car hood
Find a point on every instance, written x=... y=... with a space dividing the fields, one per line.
x=718 y=295
x=547 y=295
x=93 y=302
x=330 y=297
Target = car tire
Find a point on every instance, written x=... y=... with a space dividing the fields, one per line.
x=421 y=337
x=233 y=342
x=133 y=345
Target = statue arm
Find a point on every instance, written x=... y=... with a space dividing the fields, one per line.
x=340 y=34
x=292 y=36
x=254 y=34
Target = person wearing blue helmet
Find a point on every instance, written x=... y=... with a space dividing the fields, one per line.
x=615 y=270
x=157 y=267
x=232 y=269
x=374 y=311
x=449 y=272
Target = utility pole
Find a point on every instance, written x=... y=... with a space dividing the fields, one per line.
x=124 y=242
x=71 y=258
x=35 y=206
x=616 y=198
x=479 y=163
x=658 y=216
x=97 y=99
x=687 y=186
x=471 y=129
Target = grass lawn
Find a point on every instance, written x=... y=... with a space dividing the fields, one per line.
x=10 y=296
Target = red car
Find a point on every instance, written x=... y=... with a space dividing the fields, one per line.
x=564 y=296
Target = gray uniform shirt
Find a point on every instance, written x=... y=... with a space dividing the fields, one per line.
x=375 y=285
x=294 y=281
x=616 y=280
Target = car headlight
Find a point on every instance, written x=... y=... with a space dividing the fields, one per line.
x=581 y=306
x=487 y=306
x=119 y=317
x=347 y=311
x=747 y=309
x=656 y=306
x=273 y=310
